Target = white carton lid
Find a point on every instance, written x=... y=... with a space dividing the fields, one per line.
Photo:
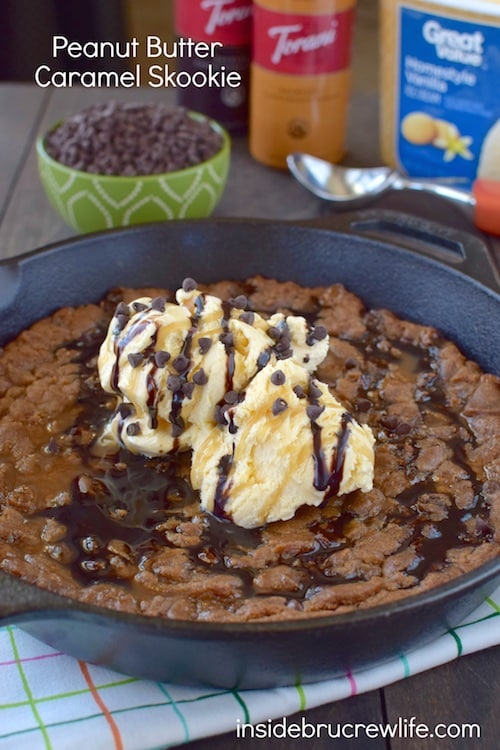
x=478 y=7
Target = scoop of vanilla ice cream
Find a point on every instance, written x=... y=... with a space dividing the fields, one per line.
x=489 y=158
x=175 y=366
x=132 y=364
x=238 y=390
x=287 y=442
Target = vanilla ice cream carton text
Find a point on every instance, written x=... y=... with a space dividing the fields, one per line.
x=440 y=77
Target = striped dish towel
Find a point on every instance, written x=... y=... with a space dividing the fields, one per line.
x=50 y=701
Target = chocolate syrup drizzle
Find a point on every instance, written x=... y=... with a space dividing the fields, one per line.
x=223 y=489
x=135 y=330
x=327 y=478
x=154 y=393
x=227 y=339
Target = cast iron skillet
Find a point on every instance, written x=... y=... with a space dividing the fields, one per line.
x=384 y=273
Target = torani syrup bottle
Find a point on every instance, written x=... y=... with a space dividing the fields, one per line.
x=300 y=78
x=230 y=23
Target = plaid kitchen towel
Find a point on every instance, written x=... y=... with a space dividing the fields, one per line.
x=50 y=701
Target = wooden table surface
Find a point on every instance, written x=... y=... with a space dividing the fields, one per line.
x=465 y=690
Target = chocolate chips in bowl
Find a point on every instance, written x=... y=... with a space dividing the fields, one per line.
x=104 y=507
x=116 y=164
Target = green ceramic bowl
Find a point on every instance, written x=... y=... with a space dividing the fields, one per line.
x=91 y=202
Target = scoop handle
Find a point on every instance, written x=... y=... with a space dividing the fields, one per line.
x=444 y=188
x=487 y=209
x=484 y=199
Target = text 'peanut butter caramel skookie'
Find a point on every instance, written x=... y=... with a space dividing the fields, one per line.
x=100 y=492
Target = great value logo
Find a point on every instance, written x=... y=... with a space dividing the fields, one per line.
x=455 y=46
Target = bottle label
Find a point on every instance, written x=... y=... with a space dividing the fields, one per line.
x=226 y=21
x=302 y=44
x=447 y=95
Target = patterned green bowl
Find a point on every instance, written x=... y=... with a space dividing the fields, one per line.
x=91 y=202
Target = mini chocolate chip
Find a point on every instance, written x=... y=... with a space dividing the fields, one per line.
x=177 y=430
x=239 y=302
x=161 y=358
x=200 y=377
x=187 y=389
x=189 y=284
x=274 y=332
x=263 y=358
x=299 y=391
x=122 y=309
x=227 y=339
x=279 y=406
x=389 y=421
x=363 y=404
x=125 y=410
x=314 y=391
x=219 y=413
x=403 y=428
x=313 y=411
x=133 y=429
x=284 y=354
x=204 y=343
x=283 y=344
x=158 y=304
x=278 y=377
x=231 y=397
x=121 y=322
x=139 y=306
x=136 y=359
x=319 y=333
x=248 y=317
x=174 y=383
x=181 y=363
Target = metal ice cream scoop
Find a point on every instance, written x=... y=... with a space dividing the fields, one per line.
x=353 y=187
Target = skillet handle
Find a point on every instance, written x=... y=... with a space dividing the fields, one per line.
x=461 y=250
